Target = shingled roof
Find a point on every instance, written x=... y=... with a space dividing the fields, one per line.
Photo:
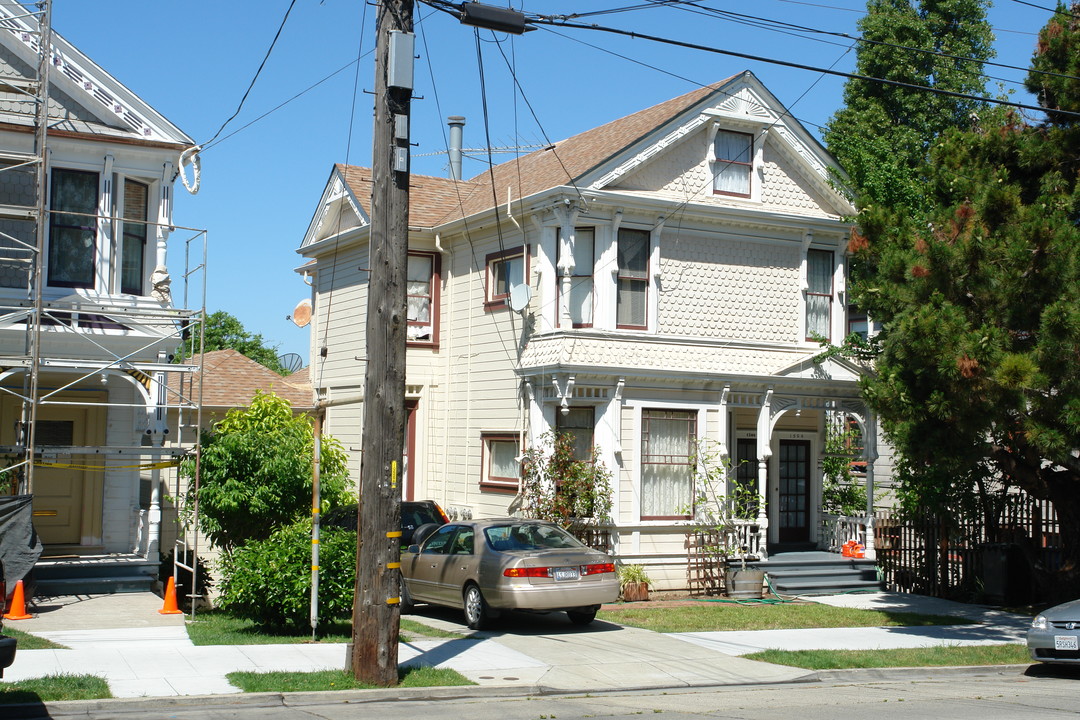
x=434 y=201
x=230 y=380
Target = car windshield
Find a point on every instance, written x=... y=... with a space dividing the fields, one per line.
x=529 y=536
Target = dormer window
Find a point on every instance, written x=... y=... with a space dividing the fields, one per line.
x=734 y=153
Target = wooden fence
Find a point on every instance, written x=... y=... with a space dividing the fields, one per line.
x=970 y=558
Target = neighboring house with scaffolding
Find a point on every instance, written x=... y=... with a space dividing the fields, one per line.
x=88 y=319
x=645 y=285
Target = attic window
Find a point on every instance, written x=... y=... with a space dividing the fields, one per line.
x=734 y=153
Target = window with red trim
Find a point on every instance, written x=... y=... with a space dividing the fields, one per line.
x=422 y=296
x=734 y=152
x=668 y=446
x=500 y=466
x=505 y=270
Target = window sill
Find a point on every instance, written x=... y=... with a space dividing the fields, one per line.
x=499 y=488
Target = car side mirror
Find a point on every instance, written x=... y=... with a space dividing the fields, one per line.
x=414 y=549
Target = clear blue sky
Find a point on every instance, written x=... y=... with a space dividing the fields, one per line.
x=192 y=60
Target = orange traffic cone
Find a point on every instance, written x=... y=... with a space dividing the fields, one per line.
x=18 y=604
x=170 y=599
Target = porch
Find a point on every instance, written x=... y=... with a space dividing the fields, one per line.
x=61 y=573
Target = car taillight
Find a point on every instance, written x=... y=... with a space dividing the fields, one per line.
x=527 y=572
x=442 y=513
x=597 y=569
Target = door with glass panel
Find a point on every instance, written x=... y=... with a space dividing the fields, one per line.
x=794 y=487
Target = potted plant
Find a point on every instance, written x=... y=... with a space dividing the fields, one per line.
x=633 y=583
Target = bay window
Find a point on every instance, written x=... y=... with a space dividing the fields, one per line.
x=73 y=228
x=668 y=446
x=580 y=297
x=819 y=294
x=633 y=279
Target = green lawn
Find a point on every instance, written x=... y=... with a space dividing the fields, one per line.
x=53 y=688
x=323 y=680
x=31 y=642
x=709 y=616
x=899 y=657
x=216 y=627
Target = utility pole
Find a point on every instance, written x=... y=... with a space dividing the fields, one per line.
x=376 y=608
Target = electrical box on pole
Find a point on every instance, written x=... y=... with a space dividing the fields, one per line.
x=377 y=596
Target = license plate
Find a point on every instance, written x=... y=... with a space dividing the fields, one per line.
x=1065 y=642
x=567 y=573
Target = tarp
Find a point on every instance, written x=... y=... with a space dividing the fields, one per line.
x=20 y=547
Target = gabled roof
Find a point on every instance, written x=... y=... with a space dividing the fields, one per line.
x=230 y=380
x=585 y=157
x=105 y=107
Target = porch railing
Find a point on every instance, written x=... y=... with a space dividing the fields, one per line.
x=839 y=529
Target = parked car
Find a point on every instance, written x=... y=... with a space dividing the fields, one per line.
x=414 y=514
x=487 y=566
x=7 y=644
x=1054 y=636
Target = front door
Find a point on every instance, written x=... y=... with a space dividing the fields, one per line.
x=794 y=468
x=67 y=497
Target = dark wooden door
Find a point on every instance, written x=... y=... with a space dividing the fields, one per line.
x=794 y=491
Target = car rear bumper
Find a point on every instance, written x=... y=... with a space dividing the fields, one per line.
x=554 y=596
x=7 y=652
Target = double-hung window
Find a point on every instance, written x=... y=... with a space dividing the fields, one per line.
x=819 y=294
x=633 y=279
x=579 y=422
x=734 y=153
x=581 y=276
x=73 y=228
x=133 y=251
x=501 y=462
x=668 y=445
x=421 y=289
x=505 y=270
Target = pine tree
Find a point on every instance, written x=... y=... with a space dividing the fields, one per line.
x=978 y=378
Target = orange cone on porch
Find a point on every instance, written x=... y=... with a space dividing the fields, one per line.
x=18 y=604
x=170 y=599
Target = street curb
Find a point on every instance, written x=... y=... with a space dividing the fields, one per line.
x=33 y=711
x=910 y=673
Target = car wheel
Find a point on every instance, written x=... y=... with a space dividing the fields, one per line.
x=422 y=533
x=583 y=616
x=476 y=608
x=407 y=605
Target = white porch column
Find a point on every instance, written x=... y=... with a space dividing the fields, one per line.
x=160 y=281
x=567 y=219
x=764 y=452
x=870 y=448
x=722 y=424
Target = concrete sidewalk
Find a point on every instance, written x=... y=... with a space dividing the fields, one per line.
x=142 y=653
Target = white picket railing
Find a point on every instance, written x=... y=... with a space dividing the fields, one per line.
x=839 y=529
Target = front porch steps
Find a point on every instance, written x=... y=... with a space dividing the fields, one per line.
x=819 y=573
x=92 y=574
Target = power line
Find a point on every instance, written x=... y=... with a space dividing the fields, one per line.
x=257 y=72
x=798 y=66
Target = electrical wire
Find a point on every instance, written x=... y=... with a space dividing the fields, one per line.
x=251 y=85
x=802 y=66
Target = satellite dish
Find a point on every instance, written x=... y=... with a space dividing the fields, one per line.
x=301 y=315
x=291 y=361
x=519 y=297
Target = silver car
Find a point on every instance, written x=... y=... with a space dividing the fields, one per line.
x=486 y=566
x=1055 y=634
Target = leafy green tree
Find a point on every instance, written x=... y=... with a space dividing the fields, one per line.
x=224 y=331
x=978 y=377
x=882 y=135
x=256 y=472
x=559 y=487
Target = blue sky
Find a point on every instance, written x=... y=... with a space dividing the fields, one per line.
x=192 y=60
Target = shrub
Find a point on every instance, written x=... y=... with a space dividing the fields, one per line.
x=269 y=581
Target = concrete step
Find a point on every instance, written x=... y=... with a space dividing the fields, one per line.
x=94 y=585
x=819 y=573
x=93 y=574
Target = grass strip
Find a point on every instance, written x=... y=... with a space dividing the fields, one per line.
x=324 y=680
x=217 y=627
x=32 y=642
x=53 y=688
x=706 y=617
x=898 y=657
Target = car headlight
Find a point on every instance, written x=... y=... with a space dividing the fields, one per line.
x=1039 y=623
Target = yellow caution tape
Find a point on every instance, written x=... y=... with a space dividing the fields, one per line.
x=103 y=468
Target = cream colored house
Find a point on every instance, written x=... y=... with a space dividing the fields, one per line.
x=647 y=284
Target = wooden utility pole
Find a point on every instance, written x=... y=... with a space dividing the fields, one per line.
x=376 y=608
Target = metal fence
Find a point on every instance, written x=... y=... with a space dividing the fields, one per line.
x=996 y=560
